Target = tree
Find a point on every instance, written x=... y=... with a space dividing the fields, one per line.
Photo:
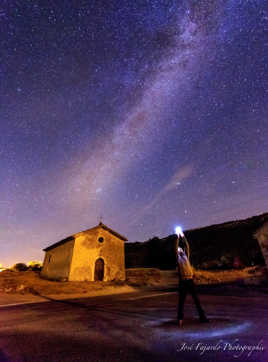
x=20 y=267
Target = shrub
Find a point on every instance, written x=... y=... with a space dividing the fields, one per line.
x=20 y=267
x=34 y=265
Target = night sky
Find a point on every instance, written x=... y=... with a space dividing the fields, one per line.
x=148 y=113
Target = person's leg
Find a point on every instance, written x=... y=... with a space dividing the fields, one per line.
x=193 y=292
x=182 y=297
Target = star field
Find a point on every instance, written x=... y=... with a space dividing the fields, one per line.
x=149 y=113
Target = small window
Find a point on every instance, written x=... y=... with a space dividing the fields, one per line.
x=49 y=259
x=101 y=240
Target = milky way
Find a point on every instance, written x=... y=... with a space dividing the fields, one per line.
x=147 y=113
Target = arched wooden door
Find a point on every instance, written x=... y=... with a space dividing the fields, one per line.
x=99 y=269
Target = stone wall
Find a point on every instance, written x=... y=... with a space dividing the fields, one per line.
x=88 y=249
x=57 y=261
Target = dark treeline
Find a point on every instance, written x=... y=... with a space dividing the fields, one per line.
x=223 y=246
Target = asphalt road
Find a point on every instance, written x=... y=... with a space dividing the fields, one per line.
x=137 y=327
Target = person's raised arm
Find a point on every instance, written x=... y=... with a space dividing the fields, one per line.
x=187 y=248
x=176 y=244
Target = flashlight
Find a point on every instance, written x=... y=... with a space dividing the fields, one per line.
x=178 y=231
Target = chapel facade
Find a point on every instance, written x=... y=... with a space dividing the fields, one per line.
x=96 y=254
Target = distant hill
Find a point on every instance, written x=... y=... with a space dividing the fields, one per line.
x=222 y=246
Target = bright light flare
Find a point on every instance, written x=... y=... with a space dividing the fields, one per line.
x=178 y=231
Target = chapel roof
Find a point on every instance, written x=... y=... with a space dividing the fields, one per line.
x=72 y=237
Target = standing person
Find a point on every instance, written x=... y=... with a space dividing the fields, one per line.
x=186 y=282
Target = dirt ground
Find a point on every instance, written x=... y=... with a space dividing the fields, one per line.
x=29 y=282
x=133 y=320
x=256 y=275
